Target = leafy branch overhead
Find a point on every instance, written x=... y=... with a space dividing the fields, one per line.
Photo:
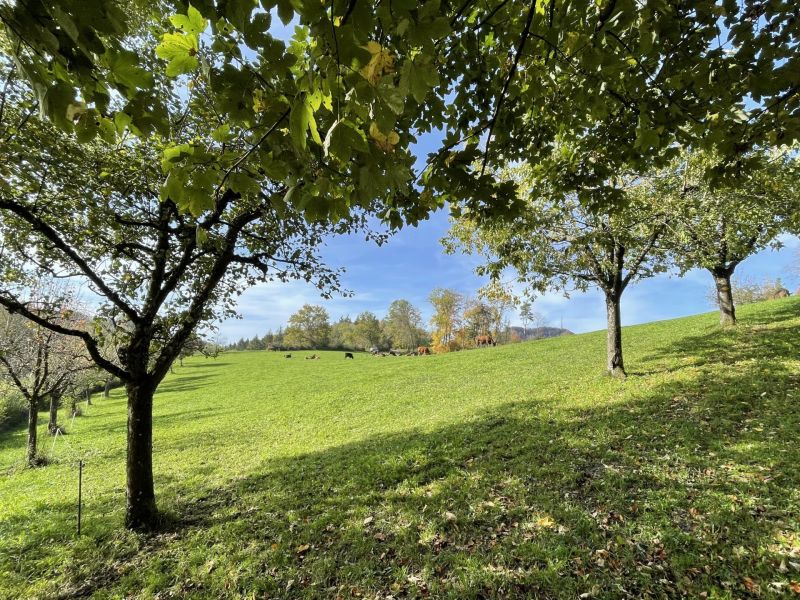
x=333 y=112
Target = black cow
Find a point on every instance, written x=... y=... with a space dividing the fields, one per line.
x=348 y=355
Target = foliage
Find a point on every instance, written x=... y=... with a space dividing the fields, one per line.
x=446 y=319
x=718 y=227
x=368 y=332
x=342 y=334
x=557 y=244
x=403 y=325
x=336 y=108
x=518 y=472
x=615 y=86
x=13 y=407
x=329 y=113
x=309 y=327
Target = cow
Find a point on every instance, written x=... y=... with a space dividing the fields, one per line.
x=348 y=355
x=423 y=350
x=485 y=340
x=287 y=356
x=779 y=293
x=312 y=357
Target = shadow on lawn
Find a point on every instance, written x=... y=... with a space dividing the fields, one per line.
x=690 y=487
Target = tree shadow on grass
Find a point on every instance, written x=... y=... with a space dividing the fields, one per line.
x=690 y=489
x=673 y=490
x=185 y=383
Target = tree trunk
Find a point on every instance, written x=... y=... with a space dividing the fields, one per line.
x=33 y=420
x=615 y=365
x=141 y=512
x=107 y=389
x=52 y=425
x=727 y=311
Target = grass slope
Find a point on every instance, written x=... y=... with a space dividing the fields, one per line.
x=517 y=471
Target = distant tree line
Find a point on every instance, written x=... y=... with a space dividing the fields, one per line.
x=457 y=321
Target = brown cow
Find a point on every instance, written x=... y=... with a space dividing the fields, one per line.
x=485 y=340
x=779 y=293
x=423 y=350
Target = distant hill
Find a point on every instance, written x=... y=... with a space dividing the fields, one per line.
x=538 y=333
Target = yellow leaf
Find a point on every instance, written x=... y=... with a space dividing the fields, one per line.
x=381 y=63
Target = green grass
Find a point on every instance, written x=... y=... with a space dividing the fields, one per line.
x=511 y=472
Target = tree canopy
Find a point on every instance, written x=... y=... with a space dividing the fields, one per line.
x=334 y=111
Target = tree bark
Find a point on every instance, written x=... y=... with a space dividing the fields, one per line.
x=33 y=420
x=141 y=512
x=52 y=425
x=615 y=363
x=107 y=389
x=727 y=311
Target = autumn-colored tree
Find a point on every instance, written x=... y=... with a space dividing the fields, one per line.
x=446 y=319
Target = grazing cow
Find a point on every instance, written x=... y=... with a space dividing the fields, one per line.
x=348 y=355
x=287 y=356
x=485 y=340
x=779 y=293
x=423 y=350
x=312 y=357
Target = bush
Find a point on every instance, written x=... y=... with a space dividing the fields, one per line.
x=13 y=409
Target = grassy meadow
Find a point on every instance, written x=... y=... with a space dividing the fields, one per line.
x=511 y=472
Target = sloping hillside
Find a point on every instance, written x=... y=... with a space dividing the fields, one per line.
x=513 y=471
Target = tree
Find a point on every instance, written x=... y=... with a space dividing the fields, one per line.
x=343 y=334
x=716 y=228
x=557 y=244
x=367 y=331
x=309 y=327
x=446 y=319
x=530 y=316
x=39 y=362
x=403 y=324
x=96 y=214
x=479 y=318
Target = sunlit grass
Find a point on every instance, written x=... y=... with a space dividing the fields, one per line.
x=512 y=471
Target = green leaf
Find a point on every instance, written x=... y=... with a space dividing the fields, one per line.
x=285 y=11
x=343 y=138
x=173 y=187
x=173 y=154
x=299 y=120
x=221 y=133
x=180 y=51
x=192 y=22
x=124 y=67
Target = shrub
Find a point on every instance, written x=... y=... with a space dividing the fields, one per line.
x=13 y=409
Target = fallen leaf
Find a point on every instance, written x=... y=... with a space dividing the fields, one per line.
x=449 y=516
x=302 y=549
x=794 y=586
x=369 y=520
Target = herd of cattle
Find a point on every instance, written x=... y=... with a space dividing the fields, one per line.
x=480 y=341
